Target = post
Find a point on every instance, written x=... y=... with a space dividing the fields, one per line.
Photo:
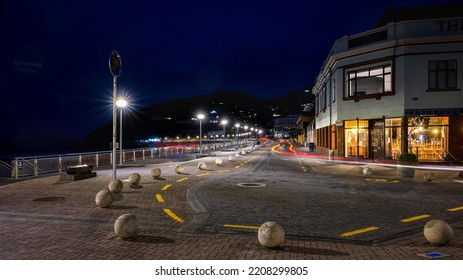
x=114 y=126
x=120 y=137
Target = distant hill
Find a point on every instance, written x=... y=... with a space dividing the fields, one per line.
x=177 y=117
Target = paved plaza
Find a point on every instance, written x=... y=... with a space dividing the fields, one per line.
x=329 y=210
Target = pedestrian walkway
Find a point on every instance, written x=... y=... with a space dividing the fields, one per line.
x=44 y=218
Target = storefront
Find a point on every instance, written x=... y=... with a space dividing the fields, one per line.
x=381 y=138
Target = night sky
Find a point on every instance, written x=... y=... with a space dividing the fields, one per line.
x=54 y=77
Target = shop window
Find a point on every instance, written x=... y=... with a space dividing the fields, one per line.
x=430 y=143
x=442 y=75
x=356 y=138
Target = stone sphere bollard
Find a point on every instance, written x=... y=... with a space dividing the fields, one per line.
x=230 y=158
x=237 y=155
x=367 y=171
x=428 y=176
x=179 y=169
x=156 y=173
x=104 y=198
x=201 y=165
x=116 y=186
x=218 y=161
x=126 y=226
x=243 y=152
x=438 y=232
x=134 y=178
x=271 y=235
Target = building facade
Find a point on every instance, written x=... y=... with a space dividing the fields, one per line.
x=396 y=88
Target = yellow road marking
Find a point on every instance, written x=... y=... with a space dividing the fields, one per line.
x=173 y=216
x=240 y=226
x=181 y=180
x=411 y=219
x=159 y=198
x=221 y=171
x=203 y=174
x=455 y=209
x=363 y=230
x=237 y=166
x=166 y=187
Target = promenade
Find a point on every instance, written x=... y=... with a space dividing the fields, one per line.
x=43 y=218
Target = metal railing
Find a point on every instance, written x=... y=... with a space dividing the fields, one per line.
x=34 y=166
x=5 y=169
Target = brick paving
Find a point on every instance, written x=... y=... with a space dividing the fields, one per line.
x=73 y=227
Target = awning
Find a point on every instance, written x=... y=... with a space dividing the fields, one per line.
x=430 y=112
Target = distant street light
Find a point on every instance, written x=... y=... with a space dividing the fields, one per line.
x=237 y=126
x=245 y=133
x=115 y=67
x=200 y=118
x=121 y=104
x=224 y=122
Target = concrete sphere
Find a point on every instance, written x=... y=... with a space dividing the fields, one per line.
x=237 y=155
x=271 y=235
x=428 y=176
x=243 y=152
x=230 y=158
x=134 y=178
x=126 y=226
x=438 y=232
x=156 y=173
x=104 y=198
x=115 y=186
x=201 y=165
x=218 y=161
x=367 y=171
x=179 y=169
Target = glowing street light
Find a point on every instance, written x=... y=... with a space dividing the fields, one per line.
x=224 y=123
x=115 y=67
x=121 y=104
x=200 y=118
x=237 y=126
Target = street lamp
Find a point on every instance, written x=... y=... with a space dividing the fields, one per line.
x=200 y=118
x=245 y=133
x=224 y=122
x=237 y=126
x=115 y=67
x=121 y=104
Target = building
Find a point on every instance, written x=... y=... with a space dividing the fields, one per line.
x=285 y=127
x=395 y=88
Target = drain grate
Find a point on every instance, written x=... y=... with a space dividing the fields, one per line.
x=49 y=199
x=251 y=185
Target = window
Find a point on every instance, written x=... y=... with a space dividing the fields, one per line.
x=333 y=90
x=442 y=75
x=369 y=82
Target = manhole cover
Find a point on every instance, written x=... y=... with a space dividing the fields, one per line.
x=49 y=199
x=251 y=185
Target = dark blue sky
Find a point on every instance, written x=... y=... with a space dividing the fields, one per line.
x=54 y=76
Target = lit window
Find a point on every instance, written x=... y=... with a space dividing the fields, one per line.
x=369 y=81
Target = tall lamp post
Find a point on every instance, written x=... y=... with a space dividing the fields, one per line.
x=237 y=126
x=200 y=118
x=121 y=104
x=115 y=67
x=224 y=122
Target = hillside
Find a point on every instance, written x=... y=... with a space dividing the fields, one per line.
x=175 y=117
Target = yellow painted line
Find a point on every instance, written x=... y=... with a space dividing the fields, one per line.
x=411 y=219
x=203 y=174
x=359 y=231
x=181 y=180
x=166 y=187
x=159 y=198
x=240 y=226
x=455 y=209
x=237 y=166
x=173 y=216
x=222 y=171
